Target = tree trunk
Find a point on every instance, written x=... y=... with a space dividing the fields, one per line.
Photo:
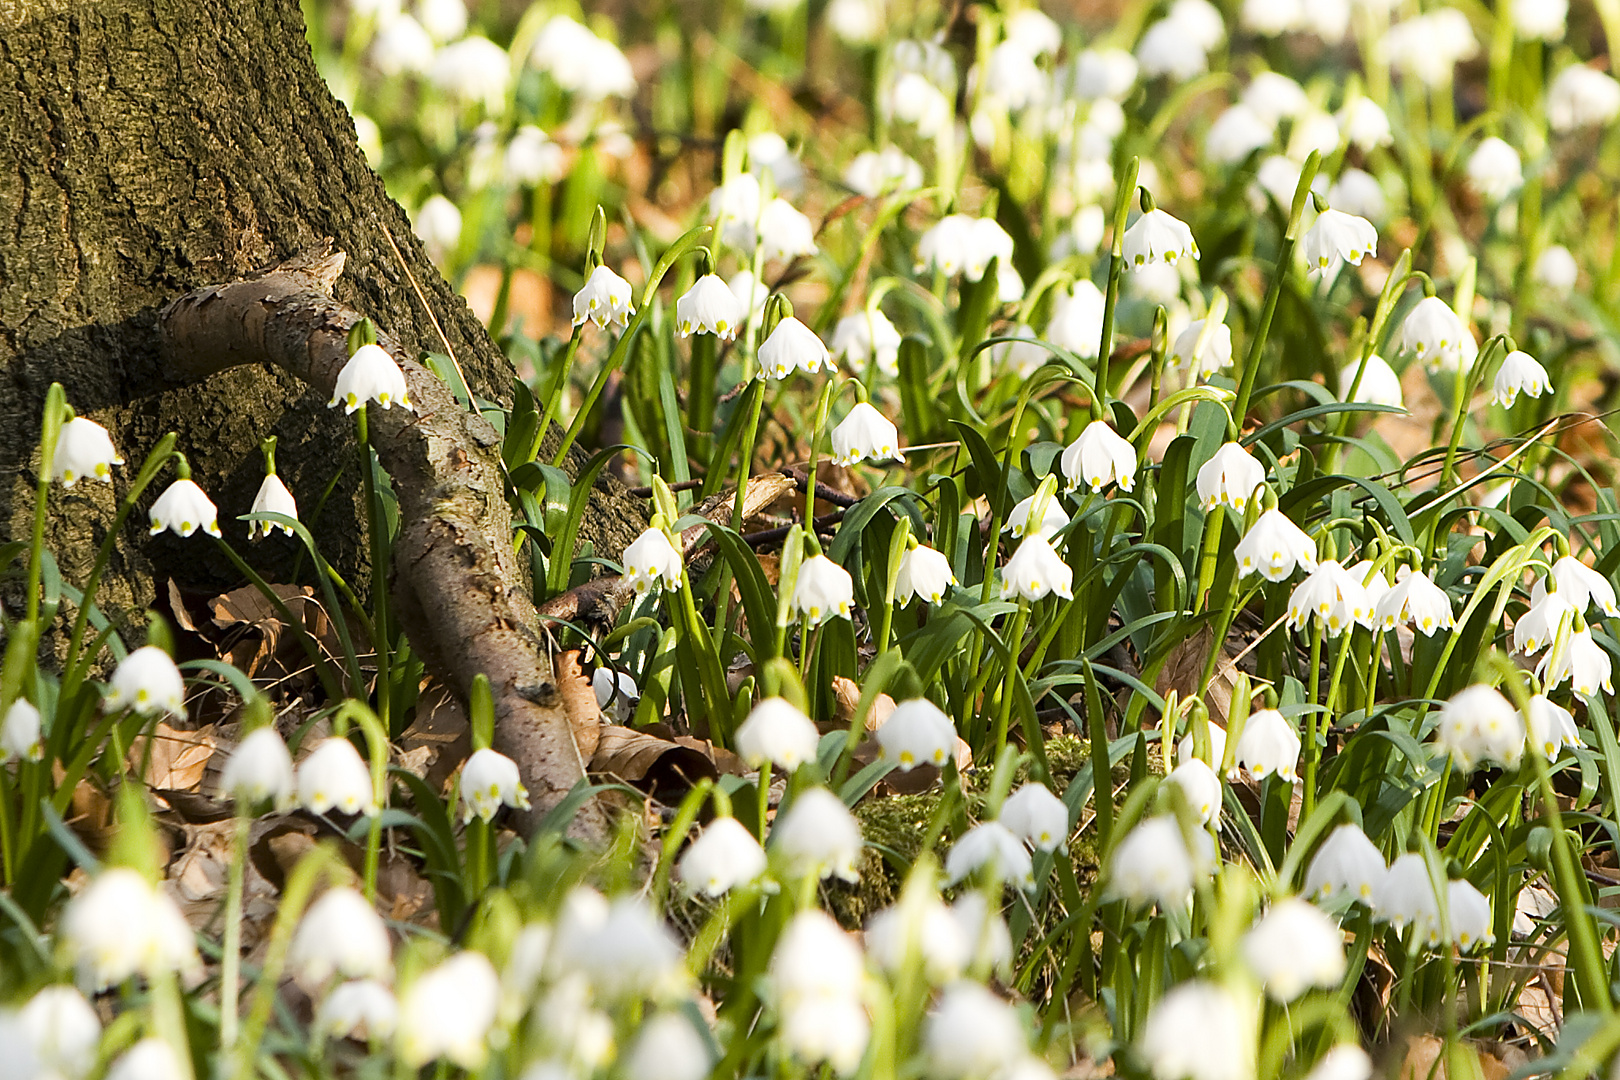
x=148 y=147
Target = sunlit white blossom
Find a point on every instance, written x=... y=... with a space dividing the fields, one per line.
x=992 y=847
x=923 y=573
x=1153 y=864
x=260 y=769
x=917 y=733
x=1215 y=353
x=972 y=1034
x=778 y=732
x=824 y=590
x=1581 y=661
x=1199 y=1031
x=437 y=224
x=877 y=172
x=333 y=777
x=20 y=733
x=63 y=1031
x=668 y=1047
x=1581 y=585
x=183 y=508
x=606 y=300
x=1099 y=456
x=1364 y=125
x=1520 y=373
x=867 y=337
x=817 y=836
x=1551 y=726
x=1157 y=237
x=1236 y=133
x=865 y=435
x=342 y=935
x=473 y=70
x=83 y=449
x=709 y=307
x=1435 y=335
x=651 y=563
x=1273 y=547
x=489 y=781
x=1478 y=725
x=1293 y=948
x=1077 y=318
x=725 y=856
x=1538 y=627
x=120 y=925
x=1379 y=383
x=1036 y=570
x=1336 y=237
x=1200 y=784
x=1333 y=596
x=580 y=62
x=784 y=233
x=1268 y=746
x=150 y=1059
x=448 y=1012
x=1495 y=169
x=370 y=375
x=1556 y=269
x=1580 y=96
x=1346 y=864
x=359 y=1009
x=791 y=347
x=1229 y=478
x=146 y=682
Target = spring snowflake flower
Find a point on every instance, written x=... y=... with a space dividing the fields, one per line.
x=1275 y=97
x=580 y=62
x=941 y=939
x=1347 y=864
x=1581 y=586
x=1009 y=286
x=1200 y=784
x=616 y=692
x=361 y=1009
x=1364 y=125
x=259 y=770
x=1469 y=913
x=401 y=47
x=1540 y=20
x=770 y=154
x=146 y=682
x=818 y=836
x=438 y=226
x=1479 y=725
x=531 y=158
x=1157 y=237
x=784 y=233
x=917 y=733
x=150 y=1059
x=776 y=731
x=1347 y=1061
x=605 y=300
x=1036 y=816
x=448 y=1012
x=834 y=1030
x=874 y=173
x=1435 y=334
x=1201 y=363
x=334 y=777
x=1551 y=726
x=709 y=307
x=1273 y=547
x=1582 y=661
x=1186 y=750
x=1011 y=77
x=867 y=337
x=1271 y=18
x=626 y=951
x=1237 y=133
x=1269 y=745
x=1033 y=31
x=824 y=590
x=817 y=977
x=1053 y=519
x=1557 y=270
x=1495 y=170
x=1339 y=236
x=1520 y=372
x=1581 y=97
x=1379 y=383
x=63 y=1030
x=1293 y=948
x=1077 y=318
x=1360 y=193
x=1036 y=570
x=1335 y=597
x=342 y=935
x=735 y=206
x=651 y=563
x=1199 y=1031
x=791 y=347
x=1416 y=600
x=183 y=509
x=1153 y=864
x=865 y=435
x=370 y=375
x=489 y=781
x=1539 y=626
x=121 y=926
x=273 y=498
x=83 y=449
x=20 y=733
x=473 y=70
x=1097 y=457
x=1429 y=47
x=947 y=248
x=972 y=1034
x=923 y=573
x=725 y=856
x=1316 y=130
x=668 y=1047
x=992 y=847
x=1374 y=587
x=1229 y=478
x=1103 y=74
x=912 y=98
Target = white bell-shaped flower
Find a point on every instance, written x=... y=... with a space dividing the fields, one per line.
x=735 y=205
x=490 y=781
x=916 y=733
x=183 y=509
x=865 y=435
x=784 y=233
x=1416 y=600
x=818 y=836
x=334 y=777
x=146 y=682
x=448 y=1012
x=1338 y=237
x=20 y=733
x=1157 y=237
x=1347 y=1061
x=1199 y=1031
x=791 y=347
x=1153 y=864
x=1364 y=125
x=1359 y=192
x=438 y=225
x=531 y=159
x=616 y=693
x=1229 y=478
x=1582 y=661
x=1200 y=784
x=273 y=498
x=1469 y=914
x=1037 y=817
x=1346 y=864
x=340 y=935
x=1495 y=170
x=121 y=926
x=824 y=590
x=1273 y=547
x=150 y=1059
x=1036 y=570
x=1237 y=133
x=972 y=1034
x=1539 y=626
x=83 y=449
x=1551 y=726
x=750 y=292
x=1428 y=47
x=1581 y=585
x=776 y=731
x=1293 y=948
x=1097 y=457
x=877 y=172
x=370 y=375
x=830 y=1030
x=1374 y=587
x=948 y=247
x=1405 y=897
x=1187 y=750
x=988 y=937
x=361 y=1009
x=1053 y=519
x=473 y=70
x=923 y=573
x=1269 y=746
x=709 y=307
x=606 y=299
x=814 y=958
x=1557 y=270
x=1271 y=18
x=651 y=563
x=1540 y=20
x=668 y=1047
x=63 y=1031
x=259 y=770
x=1434 y=334
x=627 y=952
x=1479 y=725
x=1077 y=318
x=580 y=62
x=994 y=848
x=988 y=240
x=1103 y=73
x=1581 y=96
x=1201 y=363
x=725 y=856
x=1166 y=49
x=868 y=337
x=940 y=939
x=1335 y=597
x=1379 y=383
x=1519 y=373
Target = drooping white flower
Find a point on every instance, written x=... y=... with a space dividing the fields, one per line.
x=1229 y=478
x=62 y=1030
x=1199 y=783
x=1166 y=49
x=1582 y=661
x=1036 y=570
x=260 y=769
x=725 y=856
x=1097 y=457
x=1273 y=547
x=605 y=299
x=1215 y=354
x=818 y=836
x=1540 y=625
x=972 y=1034
x=1108 y=73
x=1036 y=816
x=1556 y=269
x=1337 y=236
x=1293 y=948
x=1364 y=125
x=448 y=1012
x=1268 y=746
x=940 y=938
x=616 y=692
x=1271 y=18
x=83 y=449
x=1405 y=896
x=1416 y=600
x=878 y=172
x=580 y=62
x=183 y=509
x=1053 y=519
x=20 y=733
x=532 y=158
x=1153 y=864
x=402 y=46
x=1033 y=31
x=473 y=70
x=1346 y=1061
x=1374 y=587
x=121 y=926
x=1379 y=383
x=1157 y=237
x=791 y=347
x=651 y=563
x=273 y=498
x=1335 y=597
x=438 y=226
x=815 y=958
x=1347 y=864
x=865 y=435
x=993 y=847
x=1469 y=915
x=342 y=935
x=490 y=781
x=823 y=591
x=923 y=573
x=1551 y=726
x=1199 y=1031
x=917 y=733
x=1077 y=318
x=1540 y=20
x=1187 y=750
x=1236 y=133
x=1581 y=585
x=866 y=337
x=736 y=205
x=770 y=154
x=784 y=233
x=1581 y=97
x=150 y=1059
x=1495 y=170
x=362 y=1009
x=947 y=247
x=668 y=1047
x=626 y=951
x=777 y=731
x=146 y=682
x=1428 y=47
x=750 y=292
x=1520 y=372
x=1012 y=79
x=370 y=375
x=334 y=777
x=1275 y=97
x=708 y=307
x=1479 y=725
x=834 y=1030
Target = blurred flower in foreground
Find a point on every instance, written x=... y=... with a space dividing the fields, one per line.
x=1153 y=864
x=341 y=934
x=20 y=733
x=818 y=836
x=1347 y=863
x=120 y=926
x=1199 y=1031
x=777 y=731
x=972 y=1033
x=724 y=856
x=1295 y=947
x=448 y=1012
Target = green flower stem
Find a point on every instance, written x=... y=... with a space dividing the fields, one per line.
x=1465 y=386
x=559 y=384
x=1116 y=270
x=1285 y=266
x=1010 y=674
x=378 y=524
x=312 y=651
x=231 y=960
x=169 y=1019
x=6 y=840
x=49 y=430
x=823 y=404
x=1222 y=625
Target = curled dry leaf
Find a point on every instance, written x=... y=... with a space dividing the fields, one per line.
x=661 y=766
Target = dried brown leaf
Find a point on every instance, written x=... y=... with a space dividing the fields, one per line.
x=649 y=762
x=178 y=759
x=579 y=703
